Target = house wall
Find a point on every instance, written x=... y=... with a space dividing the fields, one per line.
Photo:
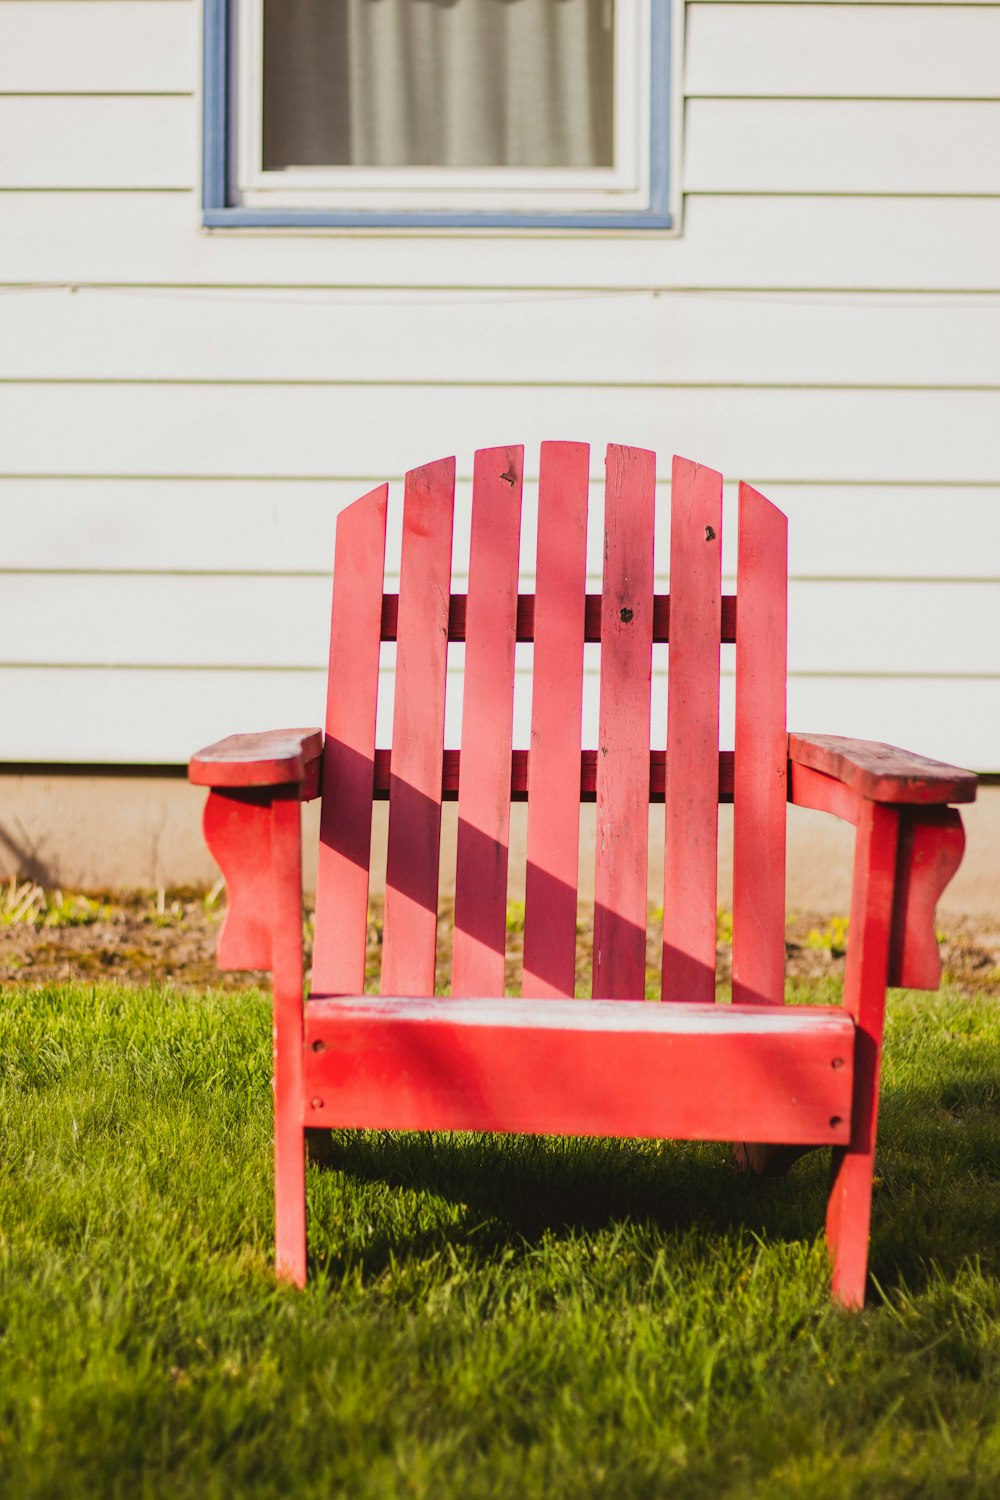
x=183 y=412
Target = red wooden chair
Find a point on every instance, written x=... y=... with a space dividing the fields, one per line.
x=782 y=1078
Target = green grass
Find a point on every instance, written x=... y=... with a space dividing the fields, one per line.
x=484 y=1316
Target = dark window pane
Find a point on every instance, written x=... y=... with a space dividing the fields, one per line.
x=458 y=83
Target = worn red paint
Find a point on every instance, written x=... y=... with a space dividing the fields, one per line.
x=774 y=1078
x=691 y=836
x=621 y=852
x=345 y=836
x=411 y=880
x=487 y=724
x=558 y=625
x=761 y=752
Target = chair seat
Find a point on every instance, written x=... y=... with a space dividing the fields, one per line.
x=766 y=1073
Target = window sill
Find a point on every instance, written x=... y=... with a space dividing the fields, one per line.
x=257 y=218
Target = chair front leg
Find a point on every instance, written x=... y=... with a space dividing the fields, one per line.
x=289 y=1105
x=849 y=1208
x=255 y=835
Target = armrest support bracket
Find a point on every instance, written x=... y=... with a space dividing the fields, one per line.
x=840 y=776
x=251 y=778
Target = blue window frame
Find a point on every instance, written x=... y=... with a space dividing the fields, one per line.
x=224 y=205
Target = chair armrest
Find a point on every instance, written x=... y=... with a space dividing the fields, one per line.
x=279 y=757
x=882 y=773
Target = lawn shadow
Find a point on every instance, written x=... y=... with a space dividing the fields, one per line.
x=512 y=1192
x=936 y=1200
x=937 y=1178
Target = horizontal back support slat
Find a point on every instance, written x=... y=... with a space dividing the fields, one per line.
x=487 y=725
x=348 y=751
x=526 y=617
x=520 y=775
x=411 y=882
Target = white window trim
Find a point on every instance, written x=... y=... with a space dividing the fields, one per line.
x=622 y=188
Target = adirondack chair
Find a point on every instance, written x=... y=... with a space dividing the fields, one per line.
x=773 y=1079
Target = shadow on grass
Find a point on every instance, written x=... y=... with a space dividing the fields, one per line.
x=511 y=1193
x=937 y=1178
x=936 y=1199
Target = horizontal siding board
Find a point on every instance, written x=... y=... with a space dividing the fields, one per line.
x=98 y=46
x=778 y=242
x=118 y=717
x=847 y=51
x=920 y=532
x=835 y=627
x=954 y=721
x=749 y=145
x=866 y=628
x=641 y=338
x=894 y=436
x=98 y=142
x=175 y=525
x=270 y=526
x=841 y=146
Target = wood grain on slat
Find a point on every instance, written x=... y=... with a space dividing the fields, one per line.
x=690 y=856
x=526 y=617
x=487 y=724
x=623 y=726
x=761 y=752
x=556 y=710
x=411 y=882
x=349 y=749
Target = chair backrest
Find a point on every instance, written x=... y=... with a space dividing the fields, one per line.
x=621 y=773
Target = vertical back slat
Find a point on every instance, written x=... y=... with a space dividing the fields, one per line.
x=487 y=722
x=761 y=771
x=349 y=748
x=690 y=854
x=411 y=885
x=550 y=887
x=623 y=734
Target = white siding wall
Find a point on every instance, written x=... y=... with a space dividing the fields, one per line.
x=183 y=413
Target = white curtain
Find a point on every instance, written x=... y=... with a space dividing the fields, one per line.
x=454 y=83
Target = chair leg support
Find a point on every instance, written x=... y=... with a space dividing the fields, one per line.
x=849 y=1208
x=848 y=1217
x=289 y=1199
x=286 y=963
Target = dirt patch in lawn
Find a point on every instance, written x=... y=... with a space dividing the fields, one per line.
x=143 y=937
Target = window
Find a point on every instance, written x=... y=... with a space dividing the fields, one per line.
x=437 y=113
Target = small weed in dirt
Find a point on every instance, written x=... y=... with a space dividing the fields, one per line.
x=26 y=904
